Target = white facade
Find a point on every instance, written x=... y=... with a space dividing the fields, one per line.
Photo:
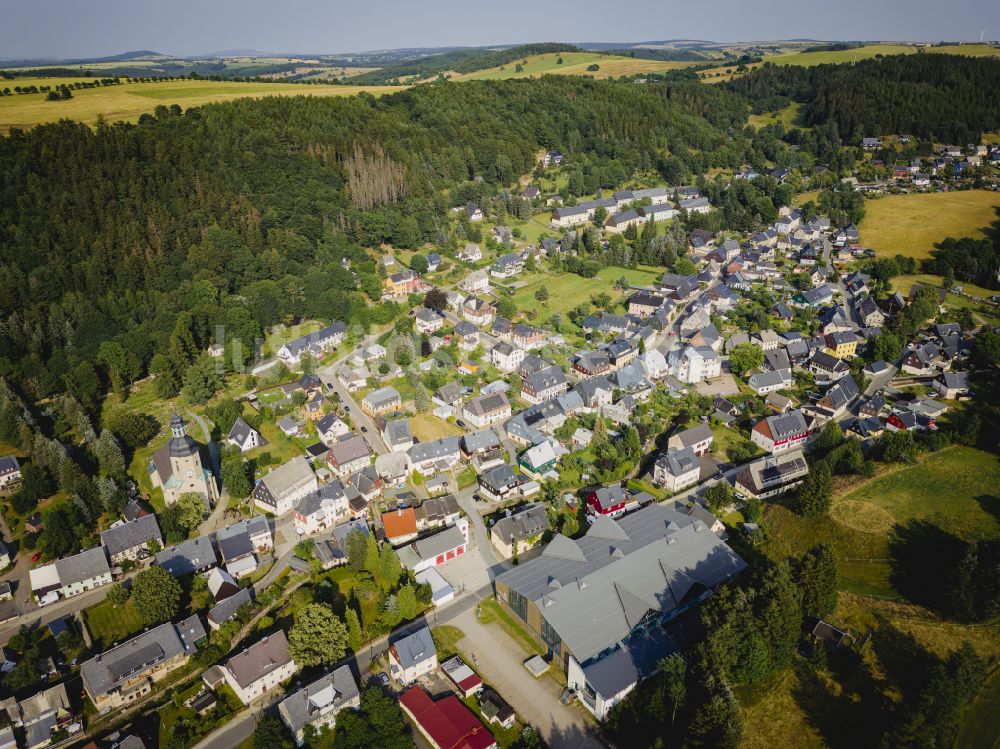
x=695 y=364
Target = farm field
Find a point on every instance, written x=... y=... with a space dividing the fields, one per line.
x=575 y=63
x=944 y=489
x=129 y=100
x=567 y=290
x=911 y=225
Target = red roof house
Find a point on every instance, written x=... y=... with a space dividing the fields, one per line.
x=463 y=677
x=447 y=723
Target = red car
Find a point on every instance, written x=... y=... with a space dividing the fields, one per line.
x=36 y=556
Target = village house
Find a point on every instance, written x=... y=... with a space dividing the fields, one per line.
x=539 y=461
x=506 y=357
x=320 y=510
x=412 y=656
x=772 y=475
x=499 y=484
x=607 y=500
x=331 y=428
x=695 y=205
x=528 y=337
x=699 y=438
x=769 y=381
x=348 y=456
x=780 y=432
x=950 y=385
x=258 y=669
x=478 y=311
x=507 y=266
x=127 y=672
x=693 y=364
x=485 y=410
x=544 y=385
x=842 y=344
x=466 y=334
x=429 y=458
x=318 y=704
x=188 y=557
x=402 y=284
x=70 y=576
x=278 y=491
x=315 y=344
x=381 y=401
x=244 y=436
x=676 y=470
x=517 y=532
x=240 y=543
x=427 y=320
x=399 y=525
x=10 y=472
x=38 y=717
x=132 y=540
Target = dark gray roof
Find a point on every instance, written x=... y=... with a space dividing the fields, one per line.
x=441 y=448
x=679 y=462
x=481 y=441
x=83 y=566
x=328 y=693
x=112 y=668
x=227 y=607
x=260 y=659
x=241 y=432
x=129 y=535
x=593 y=591
x=187 y=557
x=525 y=523
x=415 y=647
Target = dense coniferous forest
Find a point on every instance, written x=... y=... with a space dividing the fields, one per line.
x=241 y=213
x=946 y=98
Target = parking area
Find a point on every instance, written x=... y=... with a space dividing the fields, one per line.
x=500 y=663
x=724 y=385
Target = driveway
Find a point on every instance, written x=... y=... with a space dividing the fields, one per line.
x=723 y=385
x=499 y=660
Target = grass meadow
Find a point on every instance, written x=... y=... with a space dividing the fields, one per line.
x=911 y=225
x=575 y=63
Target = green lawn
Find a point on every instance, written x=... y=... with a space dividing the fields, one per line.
x=981 y=728
x=911 y=225
x=108 y=623
x=943 y=489
x=567 y=290
x=790 y=116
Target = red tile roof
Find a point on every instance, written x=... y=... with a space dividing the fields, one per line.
x=448 y=723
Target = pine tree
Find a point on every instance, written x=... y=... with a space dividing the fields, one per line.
x=109 y=455
x=371 y=555
x=354 y=636
x=817 y=579
x=390 y=568
x=816 y=492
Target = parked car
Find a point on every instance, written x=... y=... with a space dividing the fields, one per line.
x=384 y=678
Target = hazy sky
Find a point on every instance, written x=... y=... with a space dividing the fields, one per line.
x=70 y=28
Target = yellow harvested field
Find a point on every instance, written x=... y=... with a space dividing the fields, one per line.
x=575 y=63
x=911 y=225
x=128 y=101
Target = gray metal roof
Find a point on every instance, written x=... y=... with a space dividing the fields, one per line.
x=439 y=543
x=444 y=447
x=594 y=590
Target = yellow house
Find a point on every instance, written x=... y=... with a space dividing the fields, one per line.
x=842 y=344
